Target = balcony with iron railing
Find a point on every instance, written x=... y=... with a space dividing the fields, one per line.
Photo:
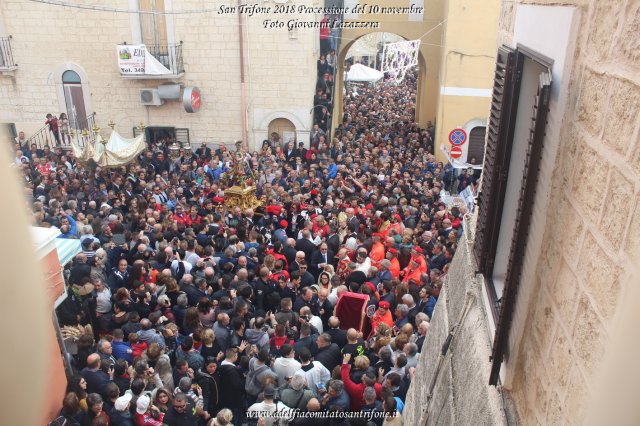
x=81 y=132
x=7 y=62
x=165 y=61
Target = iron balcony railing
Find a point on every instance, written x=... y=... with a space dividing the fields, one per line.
x=6 y=55
x=170 y=56
x=45 y=137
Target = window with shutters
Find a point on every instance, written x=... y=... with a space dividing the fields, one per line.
x=153 y=24
x=515 y=136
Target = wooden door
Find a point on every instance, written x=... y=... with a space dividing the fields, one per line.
x=284 y=128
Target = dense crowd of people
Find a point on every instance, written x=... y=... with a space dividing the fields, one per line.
x=202 y=314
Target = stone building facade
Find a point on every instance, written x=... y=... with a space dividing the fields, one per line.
x=47 y=40
x=278 y=64
x=582 y=248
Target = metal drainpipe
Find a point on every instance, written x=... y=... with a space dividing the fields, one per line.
x=243 y=89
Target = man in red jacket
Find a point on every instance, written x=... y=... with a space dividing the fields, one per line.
x=356 y=390
x=382 y=315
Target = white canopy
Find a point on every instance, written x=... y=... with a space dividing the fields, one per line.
x=118 y=151
x=367 y=45
x=359 y=72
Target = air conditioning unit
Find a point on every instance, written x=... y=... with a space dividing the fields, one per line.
x=150 y=97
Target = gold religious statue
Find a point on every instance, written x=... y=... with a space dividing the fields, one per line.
x=241 y=180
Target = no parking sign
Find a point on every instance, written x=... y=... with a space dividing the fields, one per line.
x=457 y=137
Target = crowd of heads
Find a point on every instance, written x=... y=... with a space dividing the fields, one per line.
x=197 y=311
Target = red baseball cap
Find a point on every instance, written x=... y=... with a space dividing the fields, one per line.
x=384 y=305
x=284 y=223
x=392 y=251
x=418 y=249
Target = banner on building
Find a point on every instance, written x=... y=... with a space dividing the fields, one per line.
x=135 y=59
x=131 y=58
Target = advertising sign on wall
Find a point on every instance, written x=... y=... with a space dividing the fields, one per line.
x=191 y=99
x=131 y=58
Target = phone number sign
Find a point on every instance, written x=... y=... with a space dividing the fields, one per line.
x=131 y=58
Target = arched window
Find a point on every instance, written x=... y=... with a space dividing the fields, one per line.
x=70 y=76
x=74 y=100
x=476 y=144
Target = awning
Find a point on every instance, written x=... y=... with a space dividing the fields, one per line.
x=359 y=72
x=67 y=249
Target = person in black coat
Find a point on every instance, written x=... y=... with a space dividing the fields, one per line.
x=204 y=151
x=338 y=336
x=306 y=277
x=96 y=378
x=328 y=353
x=307 y=298
x=290 y=152
x=120 y=376
x=184 y=416
x=387 y=294
x=320 y=258
x=209 y=381
x=233 y=395
x=333 y=240
x=261 y=290
x=119 y=276
x=438 y=260
x=79 y=270
x=304 y=244
x=306 y=339
x=290 y=250
x=295 y=222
